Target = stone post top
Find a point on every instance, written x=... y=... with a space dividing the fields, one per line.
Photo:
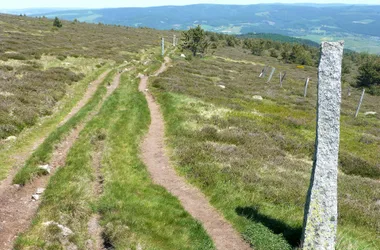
x=337 y=44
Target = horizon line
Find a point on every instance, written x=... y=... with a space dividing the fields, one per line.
x=153 y=6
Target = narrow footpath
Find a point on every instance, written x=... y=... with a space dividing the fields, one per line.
x=225 y=237
x=17 y=208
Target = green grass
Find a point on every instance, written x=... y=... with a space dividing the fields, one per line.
x=44 y=152
x=34 y=97
x=260 y=152
x=27 y=138
x=38 y=62
x=133 y=210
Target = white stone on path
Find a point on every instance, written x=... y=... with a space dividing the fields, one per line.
x=35 y=197
x=222 y=86
x=46 y=168
x=40 y=190
x=183 y=56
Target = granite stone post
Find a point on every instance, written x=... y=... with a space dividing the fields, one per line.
x=321 y=208
x=271 y=75
x=174 y=40
x=360 y=104
x=306 y=86
x=163 y=46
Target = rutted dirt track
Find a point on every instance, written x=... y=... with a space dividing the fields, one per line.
x=16 y=206
x=153 y=154
x=22 y=157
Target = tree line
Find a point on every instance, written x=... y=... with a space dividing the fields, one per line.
x=360 y=69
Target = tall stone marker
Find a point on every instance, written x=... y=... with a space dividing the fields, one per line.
x=321 y=208
x=360 y=104
x=174 y=40
x=163 y=46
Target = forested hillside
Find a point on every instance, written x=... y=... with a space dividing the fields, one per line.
x=357 y=24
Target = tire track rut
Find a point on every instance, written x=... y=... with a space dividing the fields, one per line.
x=16 y=206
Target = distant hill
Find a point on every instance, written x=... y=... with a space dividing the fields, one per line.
x=32 y=11
x=358 y=25
x=280 y=38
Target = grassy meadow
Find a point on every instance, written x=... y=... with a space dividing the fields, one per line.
x=103 y=176
x=43 y=61
x=134 y=212
x=44 y=72
x=253 y=158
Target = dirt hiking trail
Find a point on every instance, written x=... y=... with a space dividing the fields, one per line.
x=21 y=157
x=193 y=200
x=17 y=208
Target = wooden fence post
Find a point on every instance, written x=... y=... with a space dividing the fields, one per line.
x=163 y=46
x=271 y=75
x=360 y=104
x=306 y=86
x=282 y=78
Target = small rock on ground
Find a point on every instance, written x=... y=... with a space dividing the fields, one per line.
x=377 y=203
x=222 y=86
x=46 y=168
x=11 y=138
x=35 y=197
x=370 y=113
x=257 y=97
x=65 y=231
x=40 y=190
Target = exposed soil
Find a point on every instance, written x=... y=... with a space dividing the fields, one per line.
x=16 y=205
x=94 y=229
x=153 y=153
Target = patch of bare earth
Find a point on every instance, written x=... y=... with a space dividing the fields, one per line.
x=225 y=237
x=17 y=208
x=96 y=241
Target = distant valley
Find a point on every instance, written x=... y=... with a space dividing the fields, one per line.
x=358 y=25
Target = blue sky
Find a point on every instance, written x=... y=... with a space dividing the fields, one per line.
x=21 y=4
